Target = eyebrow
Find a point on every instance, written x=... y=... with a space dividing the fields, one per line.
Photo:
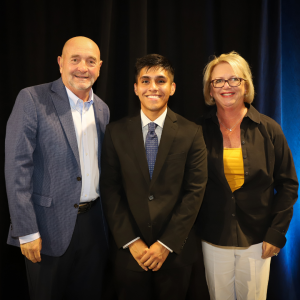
x=233 y=76
x=90 y=57
x=147 y=77
x=221 y=77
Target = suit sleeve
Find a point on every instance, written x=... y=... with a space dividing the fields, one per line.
x=193 y=186
x=113 y=197
x=20 y=143
x=286 y=186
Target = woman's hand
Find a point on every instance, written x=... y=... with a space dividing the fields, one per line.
x=269 y=250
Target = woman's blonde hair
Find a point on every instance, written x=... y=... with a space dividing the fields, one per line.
x=240 y=67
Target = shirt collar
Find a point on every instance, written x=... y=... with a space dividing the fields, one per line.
x=74 y=98
x=159 y=121
x=252 y=113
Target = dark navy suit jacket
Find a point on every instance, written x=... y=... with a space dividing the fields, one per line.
x=42 y=167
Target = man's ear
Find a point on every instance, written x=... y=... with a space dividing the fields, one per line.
x=59 y=61
x=173 y=88
x=135 y=89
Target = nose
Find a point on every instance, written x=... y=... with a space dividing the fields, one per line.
x=228 y=86
x=82 y=67
x=153 y=85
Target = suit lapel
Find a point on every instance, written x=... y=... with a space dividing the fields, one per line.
x=134 y=131
x=168 y=135
x=61 y=102
x=98 y=112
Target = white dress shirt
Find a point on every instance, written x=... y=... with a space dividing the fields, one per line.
x=87 y=141
x=160 y=121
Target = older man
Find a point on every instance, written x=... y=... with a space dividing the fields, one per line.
x=52 y=168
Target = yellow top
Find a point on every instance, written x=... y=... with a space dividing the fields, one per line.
x=234 y=167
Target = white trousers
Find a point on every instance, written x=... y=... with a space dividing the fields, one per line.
x=236 y=272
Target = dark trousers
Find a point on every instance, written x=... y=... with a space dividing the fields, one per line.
x=171 y=283
x=78 y=273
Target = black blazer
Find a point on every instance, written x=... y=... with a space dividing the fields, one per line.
x=164 y=208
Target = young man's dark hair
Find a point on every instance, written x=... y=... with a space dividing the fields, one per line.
x=153 y=61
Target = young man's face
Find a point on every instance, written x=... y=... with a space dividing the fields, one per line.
x=154 y=87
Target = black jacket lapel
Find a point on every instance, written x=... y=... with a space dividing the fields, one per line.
x=134 y=131
x=168 y=135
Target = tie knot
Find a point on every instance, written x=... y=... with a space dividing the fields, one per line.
x=151 y=127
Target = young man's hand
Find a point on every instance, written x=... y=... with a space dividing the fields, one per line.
x=137 y=250
x=155 y=256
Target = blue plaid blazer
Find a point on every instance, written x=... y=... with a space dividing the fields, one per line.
x=42 y=167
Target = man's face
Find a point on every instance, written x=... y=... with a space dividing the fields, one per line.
x=80 y=64
x=154 y=87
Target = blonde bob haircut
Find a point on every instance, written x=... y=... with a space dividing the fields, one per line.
x=241 y=69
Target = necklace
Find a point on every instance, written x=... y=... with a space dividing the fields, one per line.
x=229 y=129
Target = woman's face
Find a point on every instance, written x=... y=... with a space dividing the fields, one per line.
x=227 y=96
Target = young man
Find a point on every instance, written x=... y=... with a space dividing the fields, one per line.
x=152 y=184
x=52 y=168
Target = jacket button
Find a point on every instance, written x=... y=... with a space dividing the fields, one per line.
x=76 y=205
x=151 y=197
x=149 y=225
x=78 y=178
x=243 y=142
x=245 y=156
x=233 y=215
x=246 y=173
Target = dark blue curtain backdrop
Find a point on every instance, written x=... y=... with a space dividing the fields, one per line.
x=268 y=86
x=265 y=32
x=289 y=260
x=279 y=72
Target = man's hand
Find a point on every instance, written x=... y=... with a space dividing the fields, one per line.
x=155 y=256
x=32 y=250
x=137 y=250
x=269 y=250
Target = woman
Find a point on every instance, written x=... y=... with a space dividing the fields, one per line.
x=242 y=221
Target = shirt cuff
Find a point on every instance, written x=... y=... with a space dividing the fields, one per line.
x=165 y=246
x=126 y=246
x=29 y=238
x=275 y=237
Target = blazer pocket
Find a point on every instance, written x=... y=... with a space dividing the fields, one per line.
x=41 y=200
x=176 y=156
